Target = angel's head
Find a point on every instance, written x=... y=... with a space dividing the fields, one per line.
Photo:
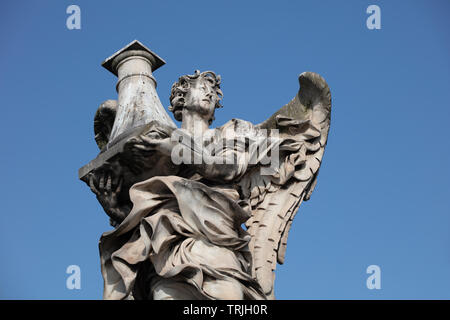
x=199 y=93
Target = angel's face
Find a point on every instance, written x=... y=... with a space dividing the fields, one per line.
x=201 y=97
x=196 y=94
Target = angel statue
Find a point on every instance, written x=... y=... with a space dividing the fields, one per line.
x=199 y=212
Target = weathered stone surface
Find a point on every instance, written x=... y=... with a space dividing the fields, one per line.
x=178 y=221
x=138 y=102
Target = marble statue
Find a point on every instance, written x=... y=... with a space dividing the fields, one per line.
x=199 y=212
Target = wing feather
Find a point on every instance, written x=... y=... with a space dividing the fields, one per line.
x=104 y=121
x=274 y=207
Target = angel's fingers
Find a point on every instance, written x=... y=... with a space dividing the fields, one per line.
x=92 y=185
x=108 y=183
x=141 y=147
x=135 y=168
x=132 y=142
x=119 y=185
x=150 y=141
x=101 y=184
x=115 y=181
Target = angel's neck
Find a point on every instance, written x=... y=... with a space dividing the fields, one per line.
x=194 y=123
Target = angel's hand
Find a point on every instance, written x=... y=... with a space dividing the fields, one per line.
x=107 y=192
x=146 y=144
x=165 y=145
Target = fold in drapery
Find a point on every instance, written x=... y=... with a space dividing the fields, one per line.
x=187 y=230
x=191 y=232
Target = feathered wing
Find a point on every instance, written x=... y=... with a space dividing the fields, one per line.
x=303 y=123
x=105 y=117
x=104 y=121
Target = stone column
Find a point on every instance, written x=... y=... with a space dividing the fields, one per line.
x=138 y=102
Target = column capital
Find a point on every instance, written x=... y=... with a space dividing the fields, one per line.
x=134 y=48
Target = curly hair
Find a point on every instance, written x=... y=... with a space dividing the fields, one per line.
x=180 y=88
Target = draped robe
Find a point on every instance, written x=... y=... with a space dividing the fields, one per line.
x=187 y=230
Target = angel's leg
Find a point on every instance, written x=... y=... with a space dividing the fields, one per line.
x=229 y=289
x=169 y=289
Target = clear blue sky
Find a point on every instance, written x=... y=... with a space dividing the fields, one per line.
x=383 y=195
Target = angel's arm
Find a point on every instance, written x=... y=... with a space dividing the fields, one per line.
x=230 y=158
x=224 y=160
x=220 y=162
